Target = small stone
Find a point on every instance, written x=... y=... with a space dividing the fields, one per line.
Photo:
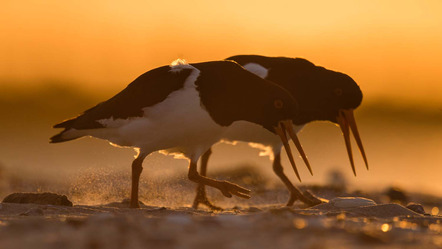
x=350 y=202
x=38 y=198
x=418 y=208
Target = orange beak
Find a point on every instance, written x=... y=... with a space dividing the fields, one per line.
x=346 y=121
x=281 y=129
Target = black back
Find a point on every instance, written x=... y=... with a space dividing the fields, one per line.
x=147 y=90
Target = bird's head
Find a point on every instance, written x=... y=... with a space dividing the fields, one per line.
x=324 y=94
x=321 y=94
x=329 y=93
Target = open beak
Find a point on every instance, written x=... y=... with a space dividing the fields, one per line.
x=346 y=121
x=281 y=129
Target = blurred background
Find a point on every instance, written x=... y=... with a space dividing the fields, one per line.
x=59 y=58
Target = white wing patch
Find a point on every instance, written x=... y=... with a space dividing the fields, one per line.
x=257 y=69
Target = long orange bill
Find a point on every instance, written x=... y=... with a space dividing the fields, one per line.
x=346 y=132
x=280 y=130
x=346 y=120
x=292 y=133
x=354 y=129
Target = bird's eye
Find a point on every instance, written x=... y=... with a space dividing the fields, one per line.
x=278 y=104
x=338 y=91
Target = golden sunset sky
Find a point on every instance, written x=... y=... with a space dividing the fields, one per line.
x=392 y=48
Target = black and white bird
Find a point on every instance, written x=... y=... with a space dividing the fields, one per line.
x=183 y=109
x=321 y=94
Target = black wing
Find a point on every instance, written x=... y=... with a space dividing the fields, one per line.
x=147 y=90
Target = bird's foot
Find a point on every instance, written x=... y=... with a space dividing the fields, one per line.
x=313 y=200
x=201 y=198
x=228 y=189
x=307 y=198
x=132 y=203
x=292 y=199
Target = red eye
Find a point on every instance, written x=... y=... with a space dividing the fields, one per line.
x=338 y=91
x=278 y=104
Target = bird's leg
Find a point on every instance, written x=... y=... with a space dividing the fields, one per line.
x=228 y=189
x=201 y=197
x=137 y=168
x=295 y=193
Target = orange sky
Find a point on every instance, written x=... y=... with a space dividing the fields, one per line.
x=383 y=45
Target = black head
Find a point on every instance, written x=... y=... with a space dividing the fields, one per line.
x=323 y=93
x=320 y=92
x=326 y=95
x=231 y=93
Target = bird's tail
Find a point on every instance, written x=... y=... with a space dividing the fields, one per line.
x=61 y=137
x=66 y=134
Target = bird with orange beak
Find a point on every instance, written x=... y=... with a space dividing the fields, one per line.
x=183 y=109
x=322 y=94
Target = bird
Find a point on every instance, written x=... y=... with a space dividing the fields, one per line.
x=322 y=94
x=182 y=109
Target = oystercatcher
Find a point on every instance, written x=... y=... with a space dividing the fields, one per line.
x=183 y=109
x=322 y=94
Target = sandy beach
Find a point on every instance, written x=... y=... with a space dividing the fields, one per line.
x=379 y=220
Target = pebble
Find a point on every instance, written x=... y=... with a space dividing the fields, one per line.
x=38 y=198
x=349 y=202
x=418 y=208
